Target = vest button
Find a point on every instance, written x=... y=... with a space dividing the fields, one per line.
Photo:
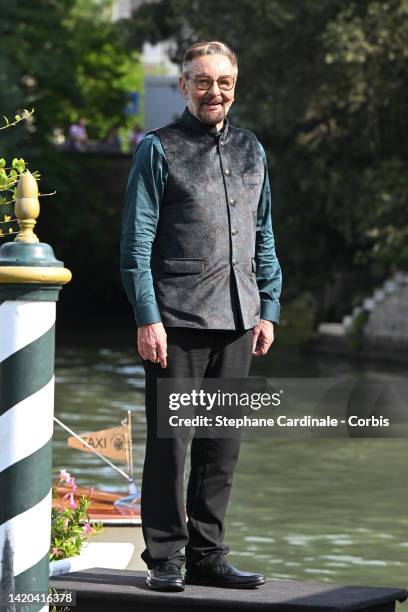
x=227 y=172
x=234 y=262
x=222 y=142
x=233 y=232
x=232 y=201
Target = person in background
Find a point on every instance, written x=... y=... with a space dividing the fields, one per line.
x=136 y=135
x=113 y=141
x=78 y=136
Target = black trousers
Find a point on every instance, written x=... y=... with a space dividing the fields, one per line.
x=198 y=354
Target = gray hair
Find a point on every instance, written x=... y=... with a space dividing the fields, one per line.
x=214 y=47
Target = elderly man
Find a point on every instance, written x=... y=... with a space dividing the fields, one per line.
x=199 y=267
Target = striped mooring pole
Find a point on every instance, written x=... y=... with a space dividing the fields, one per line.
x=30 y=280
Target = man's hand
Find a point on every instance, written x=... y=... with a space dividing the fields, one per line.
x=152 y=343
x=263 y=337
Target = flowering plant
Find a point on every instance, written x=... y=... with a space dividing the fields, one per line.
x=9 y=177
x=71 y=527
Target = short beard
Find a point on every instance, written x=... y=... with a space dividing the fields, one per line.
x=214 y=119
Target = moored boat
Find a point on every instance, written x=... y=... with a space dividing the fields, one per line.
x=120 y=543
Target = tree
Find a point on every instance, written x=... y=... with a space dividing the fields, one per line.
x=324 y=85
x=64 y=60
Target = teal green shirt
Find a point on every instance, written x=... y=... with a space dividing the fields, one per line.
x=144 y=192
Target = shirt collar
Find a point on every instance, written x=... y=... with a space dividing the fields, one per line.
x=195 y=124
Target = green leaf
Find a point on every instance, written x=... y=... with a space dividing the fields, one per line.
x=20 y=165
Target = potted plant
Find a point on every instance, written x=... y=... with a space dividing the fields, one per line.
x=70 y=526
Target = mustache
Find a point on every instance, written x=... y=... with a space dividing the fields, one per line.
x=212 y=101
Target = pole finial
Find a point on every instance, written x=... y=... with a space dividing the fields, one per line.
x=27 y=207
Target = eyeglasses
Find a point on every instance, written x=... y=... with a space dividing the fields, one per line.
x=225 y=83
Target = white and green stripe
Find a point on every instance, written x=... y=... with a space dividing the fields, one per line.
x=26 y=427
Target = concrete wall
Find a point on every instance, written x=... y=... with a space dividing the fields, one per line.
x=389 y=317
x=163 y=101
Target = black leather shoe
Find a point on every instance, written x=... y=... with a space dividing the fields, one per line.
x=166 y=576
x=222 y=574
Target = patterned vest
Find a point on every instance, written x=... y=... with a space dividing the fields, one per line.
x=203 y=262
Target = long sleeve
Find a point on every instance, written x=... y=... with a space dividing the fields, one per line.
x=268 y=271
x=144 y=191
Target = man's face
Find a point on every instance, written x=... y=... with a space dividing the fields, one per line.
x=209 y=106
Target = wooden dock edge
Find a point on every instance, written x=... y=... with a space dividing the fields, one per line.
x=102 y=589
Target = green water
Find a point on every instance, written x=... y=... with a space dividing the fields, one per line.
x=321 y=509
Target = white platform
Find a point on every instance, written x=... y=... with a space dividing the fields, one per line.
x=111 y=555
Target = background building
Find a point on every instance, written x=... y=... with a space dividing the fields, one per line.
x=162 y=99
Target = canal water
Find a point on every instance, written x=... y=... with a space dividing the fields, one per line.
x=318 y=509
